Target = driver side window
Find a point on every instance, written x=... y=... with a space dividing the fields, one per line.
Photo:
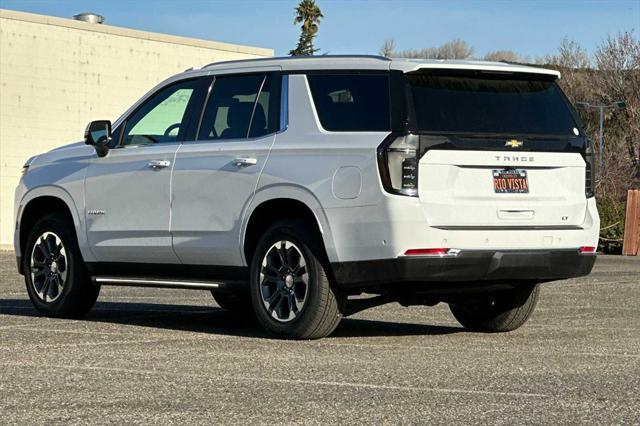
x=162 y=118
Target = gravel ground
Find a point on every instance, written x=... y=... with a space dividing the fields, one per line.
x=169 y=356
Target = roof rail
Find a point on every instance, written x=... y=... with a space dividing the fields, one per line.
x=285 y=58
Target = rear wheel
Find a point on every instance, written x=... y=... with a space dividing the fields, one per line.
x=55 y=275
x=290 y=287
x=497 y=312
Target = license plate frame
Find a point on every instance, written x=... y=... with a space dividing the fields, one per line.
x=510 y=181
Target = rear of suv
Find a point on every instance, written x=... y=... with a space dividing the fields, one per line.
x=303 y=190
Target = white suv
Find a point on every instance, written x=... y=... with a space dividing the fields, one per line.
x=296 y=187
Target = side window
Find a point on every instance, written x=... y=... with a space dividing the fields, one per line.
x=239 y=107
x=351 y=102
x=260 y=123
x=162 y=118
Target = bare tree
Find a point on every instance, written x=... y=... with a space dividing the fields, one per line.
x=455 y=49
x=503 y=56
x=388 y=47
x=618 y=79
x=426 y=53
x=570 y=55
x=612 y=74
x=573 y=61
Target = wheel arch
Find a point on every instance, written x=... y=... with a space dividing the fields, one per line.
x=267 y=207
x=40 y=202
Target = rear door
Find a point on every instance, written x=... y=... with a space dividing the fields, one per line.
x=497 y=151
x=215 y=176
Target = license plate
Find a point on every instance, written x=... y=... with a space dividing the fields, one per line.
x=510 y=181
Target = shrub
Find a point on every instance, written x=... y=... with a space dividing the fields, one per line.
x=612 y=214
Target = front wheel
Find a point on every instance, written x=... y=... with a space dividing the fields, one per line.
x=290 y=287
x=55 y=275
x=497 y=312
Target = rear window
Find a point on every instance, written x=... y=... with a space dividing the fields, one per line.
x=351 y=102
x=489 y=104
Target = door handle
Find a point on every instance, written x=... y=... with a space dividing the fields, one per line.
x=159 y=164
x=242 y=162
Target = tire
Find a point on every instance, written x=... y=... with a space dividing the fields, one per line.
x=293 y=298
x=498 y=312
x=233 y=302
x=55 y=275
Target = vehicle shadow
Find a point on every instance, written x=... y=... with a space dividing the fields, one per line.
x=214 y=320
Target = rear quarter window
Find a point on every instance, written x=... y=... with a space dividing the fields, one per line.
x=351 y=102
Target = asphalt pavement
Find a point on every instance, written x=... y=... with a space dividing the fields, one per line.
x=172 y=356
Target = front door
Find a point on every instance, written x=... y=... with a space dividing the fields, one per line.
x=128 y=192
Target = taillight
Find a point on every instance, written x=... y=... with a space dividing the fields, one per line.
x=398 y=164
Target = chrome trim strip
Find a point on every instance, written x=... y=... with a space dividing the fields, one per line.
x=509 y=228
x=150 y=282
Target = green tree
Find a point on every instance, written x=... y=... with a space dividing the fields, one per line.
x=308 y=13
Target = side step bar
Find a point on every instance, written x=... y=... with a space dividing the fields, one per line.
x=158 y=283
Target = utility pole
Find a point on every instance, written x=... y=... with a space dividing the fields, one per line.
x=601 y=108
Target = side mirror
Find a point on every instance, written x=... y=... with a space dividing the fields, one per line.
x=98 y=134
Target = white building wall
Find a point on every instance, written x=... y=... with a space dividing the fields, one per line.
x=57 y=74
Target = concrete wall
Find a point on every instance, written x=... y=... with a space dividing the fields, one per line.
x=57 y=74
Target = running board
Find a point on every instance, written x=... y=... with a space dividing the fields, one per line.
x=157 y=283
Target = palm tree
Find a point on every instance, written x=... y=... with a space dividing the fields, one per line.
x=308 y=13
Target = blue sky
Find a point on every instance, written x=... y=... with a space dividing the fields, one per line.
x=531 y=28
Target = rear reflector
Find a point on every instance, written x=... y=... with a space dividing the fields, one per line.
x=432 y=252
x=587 y=249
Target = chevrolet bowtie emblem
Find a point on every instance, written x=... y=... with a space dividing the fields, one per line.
x=513 y=143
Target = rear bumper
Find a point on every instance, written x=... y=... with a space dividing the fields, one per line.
x=468 y=266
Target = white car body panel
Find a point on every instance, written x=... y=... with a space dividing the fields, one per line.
x=387 y=230
x=128 y=205
x=209 y=192
x=58 y=173
x=456 y=189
